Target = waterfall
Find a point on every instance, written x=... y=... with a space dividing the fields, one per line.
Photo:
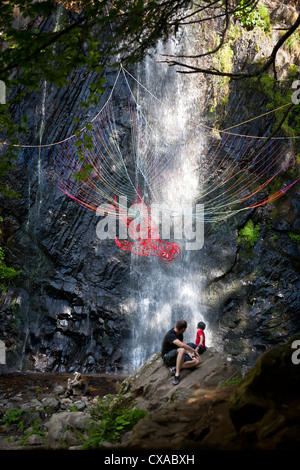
x=42 y=111
x=161 y=295
x=33 y=215
x=40 y=134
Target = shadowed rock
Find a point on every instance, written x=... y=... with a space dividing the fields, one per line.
x=152 y=388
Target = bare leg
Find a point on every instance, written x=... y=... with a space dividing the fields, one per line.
x=192 y=363
x=179 y=360
x=180 y=364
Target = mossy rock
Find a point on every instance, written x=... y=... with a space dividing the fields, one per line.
x=273 y=382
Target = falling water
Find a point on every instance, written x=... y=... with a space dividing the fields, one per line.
x=26 y=334
x=41 y=133
x=33 y=214
x=42 y=112
x=161 y=295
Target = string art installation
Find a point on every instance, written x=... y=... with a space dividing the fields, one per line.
x=145 y=234
x=126 y=150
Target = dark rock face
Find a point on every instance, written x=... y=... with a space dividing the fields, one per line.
x=64 y=311
x=71 y=287
x=257 y=295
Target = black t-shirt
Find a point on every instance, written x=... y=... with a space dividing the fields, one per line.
x=167 y=344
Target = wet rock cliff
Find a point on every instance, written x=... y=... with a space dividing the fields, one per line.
x=66 y=310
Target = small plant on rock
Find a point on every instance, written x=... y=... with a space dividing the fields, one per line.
x=12 y=416
x=35 y=429
x=249 y=234
x=111 y=418
x=295 y=237
x=250 y=18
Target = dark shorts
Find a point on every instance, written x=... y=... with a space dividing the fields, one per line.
x=170 y=358
x=202 y=349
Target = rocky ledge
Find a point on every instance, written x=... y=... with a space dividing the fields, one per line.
x=213 y=407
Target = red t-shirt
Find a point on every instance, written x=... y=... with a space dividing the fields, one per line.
x=200 y=333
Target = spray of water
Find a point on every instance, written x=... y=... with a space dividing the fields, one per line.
x=161 y=295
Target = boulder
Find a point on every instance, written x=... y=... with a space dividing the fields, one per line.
x=35 y=440
x=51 y=403
x=151 y=386
x=65 y=428
x=192 y=414
x=260 y=411
x=265 y=406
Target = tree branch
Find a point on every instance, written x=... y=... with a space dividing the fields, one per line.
x=216 y=48
x=235 y=76
x=248 y=4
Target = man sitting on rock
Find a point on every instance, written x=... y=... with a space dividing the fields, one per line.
x=177 y=354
